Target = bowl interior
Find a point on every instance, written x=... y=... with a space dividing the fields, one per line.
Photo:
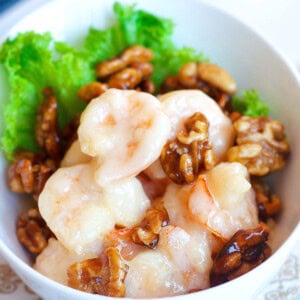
x=251 y=60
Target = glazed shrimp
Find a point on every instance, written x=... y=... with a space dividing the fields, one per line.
x=179 y=265
x=223 y=200
x=180 y=105
x=125 y=131
x=176 y=201
x=74 y=156
x=191 y=254
x=80 y=213
x=55 y=259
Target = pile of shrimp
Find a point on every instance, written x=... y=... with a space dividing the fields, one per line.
x=112 y=175
x=155 y=195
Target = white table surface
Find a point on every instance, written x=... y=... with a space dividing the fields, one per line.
x=280 y=21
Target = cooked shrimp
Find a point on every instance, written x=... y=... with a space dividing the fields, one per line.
x=179 y=265
x=74 y=156
x=80 y=213
x=152 y=274
x=125 y=131
x=176 y=200
x=126 y=201
x=191 y=254
x=223 y=200
x=55 y=259
x=180 y=105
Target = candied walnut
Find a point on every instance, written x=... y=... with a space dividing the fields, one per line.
x=170 y=84
x=46 y=127
x=209 y=78
x=234 y=116
x=32 y=231
x=268 y=204
x=29 y=173
x=187 y=75
x=126 y=79
x=145 y=68
x=261 y=145
x=216 y=76
x=147 y=233
x=104 y=275
x=243 y=252
x=131 y=70
x=146 y=86
x=109 y=67
x=136 y=54
x=118 y=272
x=183 y=158
x=91 y=91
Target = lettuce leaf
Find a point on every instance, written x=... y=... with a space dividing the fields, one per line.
x=33 y=61
x=250 y=104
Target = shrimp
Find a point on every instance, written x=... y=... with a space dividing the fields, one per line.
x=124 y=131
x=179 y=265
x=176 y=201
x=223 y=200
x=127 y=201
x=55 y=259
x=74 y=156
x=180 y=105
x=191 y=254
x=80 y=213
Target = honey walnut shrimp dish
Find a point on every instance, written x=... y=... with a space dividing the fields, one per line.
x=147 y=195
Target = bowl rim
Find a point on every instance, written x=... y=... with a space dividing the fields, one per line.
x=19 y=10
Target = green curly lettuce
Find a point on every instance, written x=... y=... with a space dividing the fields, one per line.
x=250 y=104
x=32 y=62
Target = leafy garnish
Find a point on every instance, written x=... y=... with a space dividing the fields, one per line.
x=33 y=61
x=250 y=104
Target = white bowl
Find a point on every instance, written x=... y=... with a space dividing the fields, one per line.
x=249 y=57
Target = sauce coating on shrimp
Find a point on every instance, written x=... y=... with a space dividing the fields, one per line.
x=80 y=213
x=223 y=200
x=179 y=265
x=125 y=131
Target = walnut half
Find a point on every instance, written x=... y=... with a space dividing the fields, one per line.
x=207 y=77
x=47 y=128
x=183 y=158
x=268 y=204
x=130 y=70
x=29 y=173
x=261 y=145
x=147 y=233
x=32 y=231
x=243 y=252
x=104 y=275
